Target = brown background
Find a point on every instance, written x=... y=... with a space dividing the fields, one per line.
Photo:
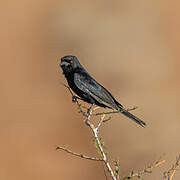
x=131 y=47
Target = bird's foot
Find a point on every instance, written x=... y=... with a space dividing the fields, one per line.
x=89 y=110
x=74 y=99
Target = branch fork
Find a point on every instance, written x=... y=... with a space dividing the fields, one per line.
x=95 y=130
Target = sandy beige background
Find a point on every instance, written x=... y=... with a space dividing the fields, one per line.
x=131 y=47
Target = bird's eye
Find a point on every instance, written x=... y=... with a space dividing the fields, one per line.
x=71 y=61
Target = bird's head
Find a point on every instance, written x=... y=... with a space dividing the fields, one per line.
x=69 y=64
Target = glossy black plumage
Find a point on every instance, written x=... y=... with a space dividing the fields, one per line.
x=88 y=89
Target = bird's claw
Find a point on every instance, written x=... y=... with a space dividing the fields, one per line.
x=74 y=99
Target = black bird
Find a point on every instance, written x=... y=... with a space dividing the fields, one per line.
x=89 y=90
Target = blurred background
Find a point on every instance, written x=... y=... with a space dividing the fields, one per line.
x=131 y=47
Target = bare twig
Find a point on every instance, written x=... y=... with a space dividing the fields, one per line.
x=68 y=88
x=100 y=122
x=171 y=172
x=77 y=154
x=114 y=112
x=131 y=109
x=116 y=171
x=75 y=100
x=80 y=108
x=144 y=171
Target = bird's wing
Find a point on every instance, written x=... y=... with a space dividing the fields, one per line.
x=89 y=86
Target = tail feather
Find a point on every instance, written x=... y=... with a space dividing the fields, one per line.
x=132 y=117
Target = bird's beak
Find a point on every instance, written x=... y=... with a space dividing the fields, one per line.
x=64 y=63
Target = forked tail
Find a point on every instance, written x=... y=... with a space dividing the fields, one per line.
x=131 y=116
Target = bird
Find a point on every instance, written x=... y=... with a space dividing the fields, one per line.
x=89 y=90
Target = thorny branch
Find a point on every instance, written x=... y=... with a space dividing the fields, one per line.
x=170 y=173
x=114 y=112
x=113 y=173
x=95 y=133
x=78 y=154
x=144 y=171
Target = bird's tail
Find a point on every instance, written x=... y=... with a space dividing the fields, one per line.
x=132 y=117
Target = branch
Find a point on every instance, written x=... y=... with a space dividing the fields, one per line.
x=144 y=171
x=95 y=133
x=99 y=145
x=170 y=173
x=77 y=154
x=114 y=112
x=100 y=122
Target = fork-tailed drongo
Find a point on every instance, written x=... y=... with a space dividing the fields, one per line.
x=89 y=90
